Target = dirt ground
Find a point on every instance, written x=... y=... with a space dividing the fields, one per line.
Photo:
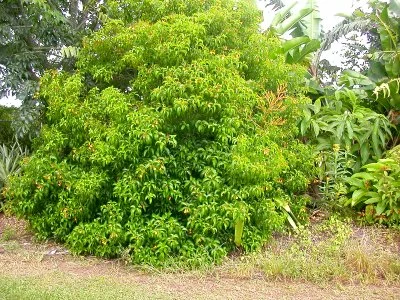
x=22 y=257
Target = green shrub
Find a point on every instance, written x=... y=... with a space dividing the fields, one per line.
x=346 y=136
x=343 y=120
x=176 y=139
x=376 y=190
x=335 y=166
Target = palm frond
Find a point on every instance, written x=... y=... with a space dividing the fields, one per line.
x=275 y=4
x=343 y=28
x=340 y=30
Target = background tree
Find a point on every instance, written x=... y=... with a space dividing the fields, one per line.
x=32 y=34
x=36 y=35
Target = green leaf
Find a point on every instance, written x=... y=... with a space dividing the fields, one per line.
x=355 y=182
x=353 y=77
x=294 y=43
x=290 y=22
x=376 y=73
x=357 y=197
x=375 y=140
x=375 y=166
x=281 y=14
x=307 y=114
x=239 y=226
x=303 y=127
x=364 y=151
x=349 y=129
x=317 y=106
x=315 y=127
x=380 y=207
x=372 y=200
x=313 y=21
x=310 y=47
x=385 y=31
x=339 y=130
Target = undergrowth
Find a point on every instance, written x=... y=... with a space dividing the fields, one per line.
x=331 y=251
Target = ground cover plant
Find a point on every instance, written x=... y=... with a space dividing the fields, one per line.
x=376 y=190
x=176 y=138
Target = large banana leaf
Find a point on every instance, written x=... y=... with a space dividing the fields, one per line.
x=294 y=43
x=282 y=14
x=309 y=48
x=386 y=31
x=290 y=22
x=389 y=37
x=303 y=26
x=394 y=7
x=299 y=49
x=312 y=23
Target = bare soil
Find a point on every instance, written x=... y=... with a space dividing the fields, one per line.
x=22 y=257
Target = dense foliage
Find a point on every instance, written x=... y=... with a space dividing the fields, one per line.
x=355 y=125
x=7 y=133
x=32 y=34
x=176 y=137
x=344 y=121
x=36 y=35
x=376 y=190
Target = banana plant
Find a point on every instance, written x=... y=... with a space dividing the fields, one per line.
x=381 y=82
x=387 y=60
x=300 y=31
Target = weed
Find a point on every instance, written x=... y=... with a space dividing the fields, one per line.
x=11 y=246
x=8 y=234
x=330 y=251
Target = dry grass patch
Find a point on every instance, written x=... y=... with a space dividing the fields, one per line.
x=333 y=250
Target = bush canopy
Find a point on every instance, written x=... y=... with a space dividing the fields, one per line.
x=176 y=138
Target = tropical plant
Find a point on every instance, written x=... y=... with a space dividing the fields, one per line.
x=376 y=190
x=335 y=166
x=301 y=31
x=33 y=33
x=176 y=139
x=36 y=35
x=379 y=83
x=10 y=158
x=342 y=120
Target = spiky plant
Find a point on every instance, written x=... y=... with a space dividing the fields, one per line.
x=10 y=157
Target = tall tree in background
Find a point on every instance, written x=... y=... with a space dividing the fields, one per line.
x=32 y=34
x=36 y=35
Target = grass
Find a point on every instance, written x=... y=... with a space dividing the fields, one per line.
x=8 y=234
x=332 y=251
x=59 y=286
